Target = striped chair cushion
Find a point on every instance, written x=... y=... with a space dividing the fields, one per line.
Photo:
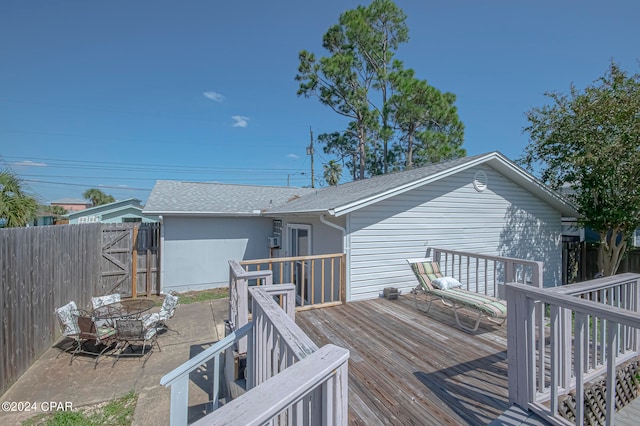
x=488 y=305
x=426 y=272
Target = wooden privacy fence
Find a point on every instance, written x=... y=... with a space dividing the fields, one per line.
x=44 y=267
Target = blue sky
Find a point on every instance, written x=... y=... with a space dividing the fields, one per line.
x=119 y=94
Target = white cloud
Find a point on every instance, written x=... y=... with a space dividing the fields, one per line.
x=294 y=156
x=29 y=163
x=240 y=121
x=214 y=96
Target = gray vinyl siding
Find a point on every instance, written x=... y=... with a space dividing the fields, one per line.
x=504 y=220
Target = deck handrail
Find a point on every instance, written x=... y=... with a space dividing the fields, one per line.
x=239 y=297
x=271 y=323
x=466 y=266
x=320 y=280
x=324 y=370
x=178 y=378
x=275 y=345
x=592 y=336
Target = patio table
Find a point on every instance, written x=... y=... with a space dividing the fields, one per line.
x=125 y=309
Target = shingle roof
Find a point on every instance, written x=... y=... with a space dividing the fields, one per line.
x=217 y=198
x=129 y=202
x=347 y=193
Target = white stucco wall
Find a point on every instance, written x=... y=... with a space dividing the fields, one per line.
x=197 y=250
x=504 y=219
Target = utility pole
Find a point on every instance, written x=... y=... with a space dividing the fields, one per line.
x=310 y=152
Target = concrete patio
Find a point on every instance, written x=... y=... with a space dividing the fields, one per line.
x=52 y=379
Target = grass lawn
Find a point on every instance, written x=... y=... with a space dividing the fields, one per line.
x=118 y=412
x=196 y=296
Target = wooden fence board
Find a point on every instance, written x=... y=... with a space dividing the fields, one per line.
x=43 y=268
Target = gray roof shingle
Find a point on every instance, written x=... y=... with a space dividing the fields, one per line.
x=217 y=198
x=347 y=193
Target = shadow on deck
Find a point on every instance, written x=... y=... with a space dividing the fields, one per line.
x=410 y=368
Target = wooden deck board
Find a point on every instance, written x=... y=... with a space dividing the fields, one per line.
x=410 y=368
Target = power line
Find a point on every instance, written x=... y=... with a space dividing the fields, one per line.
x=110 y=165
x=83 y=185
x=191 y=141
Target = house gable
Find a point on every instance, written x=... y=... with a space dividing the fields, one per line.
x=501 y=219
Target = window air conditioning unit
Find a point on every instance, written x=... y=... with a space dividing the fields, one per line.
x=274 y=242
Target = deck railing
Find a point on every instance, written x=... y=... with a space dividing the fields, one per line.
x=289 y=380
x=320 y=280
x=239 y=296
x=487 y=274
x=591 y=327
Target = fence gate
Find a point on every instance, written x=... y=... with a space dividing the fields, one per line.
x=117 y=245
x=130 y=259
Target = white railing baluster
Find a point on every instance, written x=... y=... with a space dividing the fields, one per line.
x=539 y=313
x=531 y=348
x=555 y=357
x=579 y=365
x=612 y=337
x=453 y=263
x=216 y=381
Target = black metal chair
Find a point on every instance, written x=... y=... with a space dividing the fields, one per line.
x=132 y=333
x=91 y=339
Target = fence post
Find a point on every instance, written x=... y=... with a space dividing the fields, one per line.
x=134 y=262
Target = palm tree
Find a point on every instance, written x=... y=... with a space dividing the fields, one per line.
x=57 y=211
x=332 y=172
x=97 y=197
x=16 y=207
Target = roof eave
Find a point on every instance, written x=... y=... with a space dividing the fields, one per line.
x=199 y=213
x=297 y=212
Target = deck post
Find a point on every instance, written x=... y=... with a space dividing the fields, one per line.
x=179 y=405
x=517 y=339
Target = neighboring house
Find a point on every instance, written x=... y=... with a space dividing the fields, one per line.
x=43 y=219
x=72 y=204
x=484 y=204
x=129 y=210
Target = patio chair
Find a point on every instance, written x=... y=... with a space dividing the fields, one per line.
x=91 y=337
x=132 y=332
x=434 y=286
x=68 y=323
x=105 y=300
x=167 y=311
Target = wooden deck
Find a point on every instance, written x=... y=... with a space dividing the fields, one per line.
x=410 y=368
